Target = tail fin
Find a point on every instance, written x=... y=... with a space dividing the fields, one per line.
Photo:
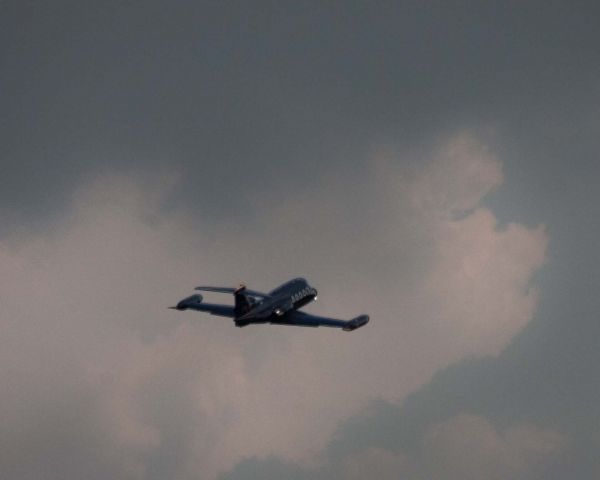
x=242 y=302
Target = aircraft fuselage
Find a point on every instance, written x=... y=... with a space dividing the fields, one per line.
x=295 y=293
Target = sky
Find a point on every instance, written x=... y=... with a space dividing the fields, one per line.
x=432 y=164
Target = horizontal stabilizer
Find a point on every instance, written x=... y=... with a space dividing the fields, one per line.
x=217 y=289
x=245 y=291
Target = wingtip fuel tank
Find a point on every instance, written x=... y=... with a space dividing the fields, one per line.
x=188 y=301
x=357 y=322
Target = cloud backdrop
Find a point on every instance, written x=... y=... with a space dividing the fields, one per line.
x=179 y=395
x=418 y=162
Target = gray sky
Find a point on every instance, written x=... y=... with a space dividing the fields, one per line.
x=433 y=164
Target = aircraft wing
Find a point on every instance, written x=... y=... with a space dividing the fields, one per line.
x=194 y=302
x=213 y=309
x=303 y=319
x=246 y=291
x=258 y=313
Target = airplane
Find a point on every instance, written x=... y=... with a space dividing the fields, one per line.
x=280 y=306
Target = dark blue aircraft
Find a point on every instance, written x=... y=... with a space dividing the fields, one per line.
x=280 y=306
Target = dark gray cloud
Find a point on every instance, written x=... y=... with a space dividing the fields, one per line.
x=243 y=97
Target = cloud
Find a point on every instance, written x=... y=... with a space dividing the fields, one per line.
x=463 y=447
x=469 y=447
x=101 y=378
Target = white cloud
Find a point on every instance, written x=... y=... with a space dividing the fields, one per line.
x=465 y=447
x=96 y=366
x=371 y=463
x=469 y=447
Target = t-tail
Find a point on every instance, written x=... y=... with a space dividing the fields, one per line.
x=243 y=303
